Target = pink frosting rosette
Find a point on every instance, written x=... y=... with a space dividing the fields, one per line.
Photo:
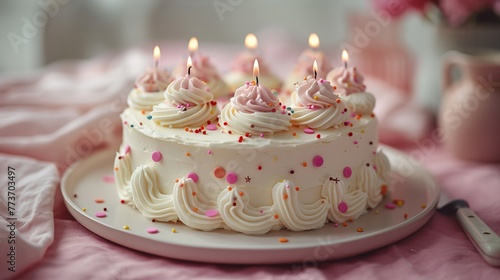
x=149 y=87
x=349 y=85
x=153 y=80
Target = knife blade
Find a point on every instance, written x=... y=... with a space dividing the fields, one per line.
x=486 y=241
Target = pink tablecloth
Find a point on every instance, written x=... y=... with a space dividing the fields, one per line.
x=45 y=118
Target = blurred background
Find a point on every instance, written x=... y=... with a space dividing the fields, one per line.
x=392 y=46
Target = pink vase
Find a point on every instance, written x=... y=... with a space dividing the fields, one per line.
x=469 y=116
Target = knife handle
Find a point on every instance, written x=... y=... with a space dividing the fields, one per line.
x=484 y=239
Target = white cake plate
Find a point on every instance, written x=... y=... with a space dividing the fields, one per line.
x=83 y=184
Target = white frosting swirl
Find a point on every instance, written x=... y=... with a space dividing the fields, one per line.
x=360 y=102
x=336 y=193
x=253 y=123
x=188 y=103
x=122 y=173
x=140 y=100
x=191 y=206
x=382 y=168
x=239 y=215
x=148 y=198
x=367 y=182
x=315 y=105
x=295 y=215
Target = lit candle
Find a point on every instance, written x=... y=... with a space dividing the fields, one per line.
x=193 y=46
x=156 y=55
x=314 y=41
x=315 y=69
x=256 y=71
x=251 y=42
x=345 y=58
x=150 y=85
x=189 y=65
x=303 y=66
x=242 y=67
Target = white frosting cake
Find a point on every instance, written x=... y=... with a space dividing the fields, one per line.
x=263 y=166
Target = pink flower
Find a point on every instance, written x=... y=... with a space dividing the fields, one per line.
x=397 y=8
x=458 y=11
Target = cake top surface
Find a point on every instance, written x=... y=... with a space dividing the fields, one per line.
x=213 y=134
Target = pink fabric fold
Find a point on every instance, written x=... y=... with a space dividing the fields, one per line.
x=67 y=111
x=26 y=221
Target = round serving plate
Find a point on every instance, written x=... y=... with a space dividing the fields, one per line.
x=88 y=188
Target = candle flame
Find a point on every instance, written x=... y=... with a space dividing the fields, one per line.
x=189 y=65
x=315 y=68
x=193 y=44
x=156 y=53
x=251 y=41
x=345 y=56
x=256 y=70
x=313 y=40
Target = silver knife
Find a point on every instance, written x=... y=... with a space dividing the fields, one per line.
x=484 y=239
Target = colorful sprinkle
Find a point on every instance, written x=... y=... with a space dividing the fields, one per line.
x=152 y=230
x=399 y=202
x=259 y=167
x=156 y=156
x=347 y=172
x=99 y=200
x=149 y=117
x=360 y=229
x=75 y=195
x=108 y=178
x=308 y=130
x=390 y=205
x=383 y=190
x=84 y=209
x=100 y=214
x=405 y=215
x=342 y=207
x=127 y=149
x=282 y=240
x=423 y=205
x=211 y=212
x=317 y=161
x=209 y=152
x=219 y=172
x=126 y=227
x=211 y=127
x=193 y=176
x=231 y=178
x=174 y=230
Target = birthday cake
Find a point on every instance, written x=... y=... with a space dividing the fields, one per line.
x=254 y=165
